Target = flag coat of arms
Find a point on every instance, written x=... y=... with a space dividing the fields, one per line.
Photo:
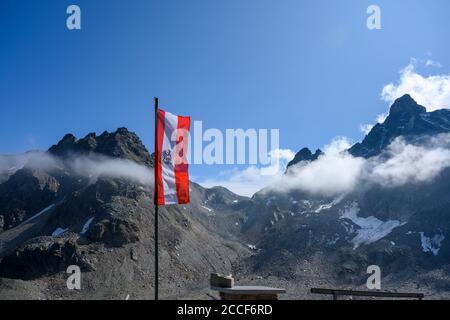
x=171 y=162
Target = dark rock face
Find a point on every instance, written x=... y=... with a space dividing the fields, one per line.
x=105 y=226
x=406 y=118
x=43 y=256
x=115 y=232
x=406 y=106
x=25 y=193
x=10 y=163
x=222 y=197
x=120 y=144
x=305 y=155
x=29 y=190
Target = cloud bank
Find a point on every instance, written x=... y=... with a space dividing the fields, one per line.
x=408 y=163
x=96 y=166
x=432 y=92
x=337 y=173
x=91 y=166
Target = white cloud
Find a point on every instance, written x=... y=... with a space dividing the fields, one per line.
x=409 y=163
x=432 y=63
x=91 y=166
x=337 y=173
x=382 y=117
x=365 y=128
x=245 y=182
x=432 y=92
x=252 y=179
x=337 y=145
x=34 y=160
x=96 y=166
x=332 y=174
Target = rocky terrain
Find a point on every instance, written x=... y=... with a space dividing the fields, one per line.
x=88 y=202
x=331 y=240
x=54 y=215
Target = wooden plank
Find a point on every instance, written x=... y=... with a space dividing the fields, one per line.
x=249 y=290
x=263 y=297
x=380 y=294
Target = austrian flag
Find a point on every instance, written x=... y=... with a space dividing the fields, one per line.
x=171 y=162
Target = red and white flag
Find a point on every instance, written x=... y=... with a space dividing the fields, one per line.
x=171 y=165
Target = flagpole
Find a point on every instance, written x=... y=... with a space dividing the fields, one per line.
x=156 y=202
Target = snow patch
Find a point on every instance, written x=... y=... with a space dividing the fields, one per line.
x=334 y=240
x=270 y=200
x=208 y=209
x=307 y=203
x=59 y=231
x=431 y=244
x=87 y=226
x=370 y=229
x=38 y=214
x=328 y=205
x=275 y=216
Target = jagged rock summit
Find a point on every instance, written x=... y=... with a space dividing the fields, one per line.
x=305 y=155
x=119 y=144
x=406 y=118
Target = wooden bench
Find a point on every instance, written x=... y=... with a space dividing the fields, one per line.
x=228 y=291
x=379 y=294
x=249 y=293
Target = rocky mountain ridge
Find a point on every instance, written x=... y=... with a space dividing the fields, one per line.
x=404 y=229
x=53 y=217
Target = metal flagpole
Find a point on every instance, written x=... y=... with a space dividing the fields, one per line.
x=156 y=202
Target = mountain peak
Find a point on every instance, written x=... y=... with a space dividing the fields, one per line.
x=305 y=155
x=119 y=144
x=406 y=105
x=407 y=119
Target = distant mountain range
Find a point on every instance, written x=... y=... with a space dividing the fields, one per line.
x=402 y=228
x=83 y=202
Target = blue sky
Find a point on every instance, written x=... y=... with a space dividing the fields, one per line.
x=310 y=68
